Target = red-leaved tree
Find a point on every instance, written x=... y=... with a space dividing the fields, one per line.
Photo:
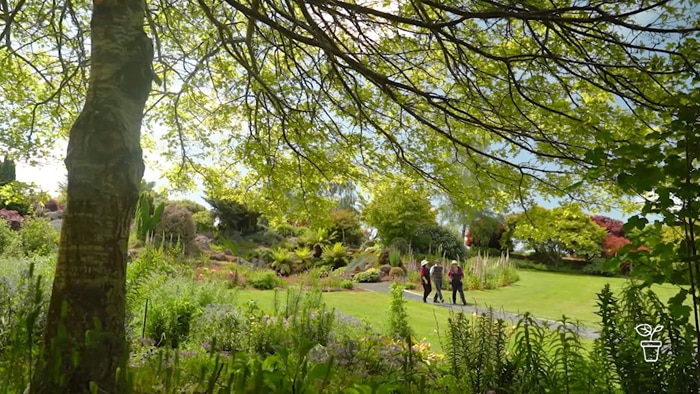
x=613 y=226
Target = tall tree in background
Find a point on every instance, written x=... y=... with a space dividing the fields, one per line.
x=416 y=86
x=7 y=171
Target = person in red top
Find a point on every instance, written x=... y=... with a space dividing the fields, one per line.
x=425 y=279
x=456 y=274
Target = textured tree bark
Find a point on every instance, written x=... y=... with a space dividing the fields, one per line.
x=84 y=341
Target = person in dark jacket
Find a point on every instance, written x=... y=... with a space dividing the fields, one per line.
x=456 y=274
x=425 y=279
x=436 y=275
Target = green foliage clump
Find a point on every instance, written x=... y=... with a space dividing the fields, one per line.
x=7 y=171
x=282 y=261
x=437 y=240
x=485 y=272
x=176 y=225
x=147 y=216
x=345 y=224
x=399 y=210
x=398 y=316
x=287 y=230
x=335 y=255
x=395 y=258
x=486 y=231
x=264 y=280
x=20 y=196
x=10 y=241
x=204 y=221
x=368 y=276
x=347 y=284
x=560 y=231
x=267 y=237
x=264 y=254
x=190 y=205
x=38 y=237
x=233 y=216
x=400 y=244
x=396 y=273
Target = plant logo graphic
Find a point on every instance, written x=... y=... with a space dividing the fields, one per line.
x=650 y=347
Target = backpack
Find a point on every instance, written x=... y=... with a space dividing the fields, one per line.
x=437 y=272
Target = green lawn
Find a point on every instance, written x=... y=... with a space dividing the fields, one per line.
x=544 y=294
x=550 y=295
x=374 y=307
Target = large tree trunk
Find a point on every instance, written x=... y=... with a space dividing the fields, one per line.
x=84 y=341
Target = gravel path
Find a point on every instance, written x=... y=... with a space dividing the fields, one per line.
x=385 y=287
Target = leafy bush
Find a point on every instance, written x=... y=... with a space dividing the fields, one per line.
x=596 y=267
x=347 y=284
x=395 y=258
x=558 y=232
x=147 y=216
x=176 y=225
x=437 y=240
x=264 y=280
x=336 y=256
x=397 y=273
x=486 y=231
x=174 y=304
x=39 y=237
x=399 y=210
x=189 y=205
x=169 y=320
x=19 y=196
x=484 y=272
x=233 y=216
x=345 y=224
x=282 y=261
x=400 y=244
x=287 y=230
x=221 y=327
x=10 y=241
x=204 y=221
x=264 y=254
x=371 y=275
x=267 y=237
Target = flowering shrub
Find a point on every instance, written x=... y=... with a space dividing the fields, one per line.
x=265 y=280
x=371 y=275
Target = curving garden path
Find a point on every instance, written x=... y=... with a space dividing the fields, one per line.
x=385 y=287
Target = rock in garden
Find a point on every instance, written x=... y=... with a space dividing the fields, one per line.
x=384 y=269
x=201 y=243
x=55 y=215
x=57 y=224
x=242 y=261
x=218 y=256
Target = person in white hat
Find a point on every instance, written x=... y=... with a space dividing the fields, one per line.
x=456 y=274
x=425 y=279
